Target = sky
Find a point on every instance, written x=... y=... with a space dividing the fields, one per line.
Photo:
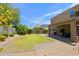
x=33 y=14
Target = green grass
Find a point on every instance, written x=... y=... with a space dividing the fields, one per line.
x=1 y=49
x=26 y=42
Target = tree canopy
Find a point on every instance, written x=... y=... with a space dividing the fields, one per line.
x=9 y=15
x=21 y=29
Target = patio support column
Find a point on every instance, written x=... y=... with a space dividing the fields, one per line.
x=73 y=31
x=50 y=29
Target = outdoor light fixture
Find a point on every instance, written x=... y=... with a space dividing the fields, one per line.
x=72 y=13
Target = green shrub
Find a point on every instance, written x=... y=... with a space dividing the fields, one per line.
x=21 y=29
x=37 y=31
x=5 y=34
x=12 y=35
x=2 y=38
x=29 y=31
x=45 y=31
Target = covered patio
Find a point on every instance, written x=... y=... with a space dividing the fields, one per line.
x=66 y=24
x=68 y=29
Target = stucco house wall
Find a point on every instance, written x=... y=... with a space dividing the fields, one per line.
x=69 y=22
x=64 y=16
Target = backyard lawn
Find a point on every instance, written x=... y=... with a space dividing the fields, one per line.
x=25 y=42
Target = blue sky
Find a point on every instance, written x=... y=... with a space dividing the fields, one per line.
x=33 y=14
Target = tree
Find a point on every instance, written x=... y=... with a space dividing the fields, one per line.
x=9 y=16
x=36 y=28
x=16 y=16
x=21 y=29
x=45 y=30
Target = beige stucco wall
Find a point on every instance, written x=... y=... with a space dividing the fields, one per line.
x=70 y=27
x=63 y=17
x=67 y=27
x=59 y=26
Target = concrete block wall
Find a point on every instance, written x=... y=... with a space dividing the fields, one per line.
x=10 y=30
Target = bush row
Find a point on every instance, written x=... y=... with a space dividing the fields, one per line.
x=5 y=35
x=2 y=37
